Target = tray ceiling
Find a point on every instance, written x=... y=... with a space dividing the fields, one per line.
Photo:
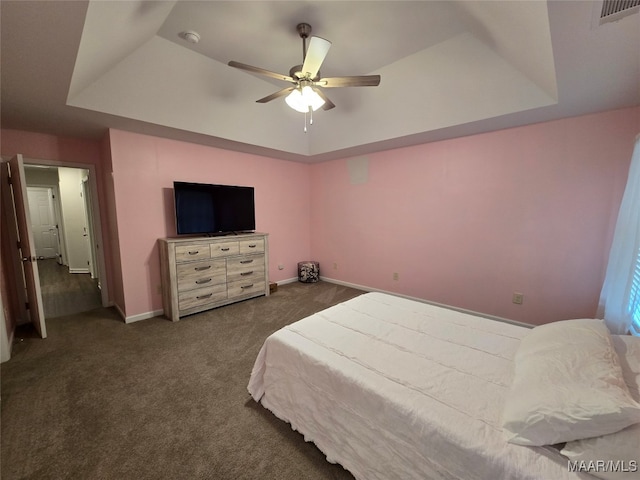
x=448 y=68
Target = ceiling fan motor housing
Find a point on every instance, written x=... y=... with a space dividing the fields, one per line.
x=296 y=72
x=304 y=30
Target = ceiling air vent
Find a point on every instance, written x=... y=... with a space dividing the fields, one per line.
x=613 y=10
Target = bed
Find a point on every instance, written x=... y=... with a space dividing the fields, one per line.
x=393 y=388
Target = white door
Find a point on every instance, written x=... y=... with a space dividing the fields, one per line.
x=27 y=250
x=18 y=296
x=43 y=221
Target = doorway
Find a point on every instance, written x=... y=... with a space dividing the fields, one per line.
x=65 y=293
x=60 y=208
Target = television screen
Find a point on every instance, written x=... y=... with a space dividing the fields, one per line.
x=209 y=209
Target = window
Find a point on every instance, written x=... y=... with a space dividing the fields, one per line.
x=634 y=300
x=620 y=297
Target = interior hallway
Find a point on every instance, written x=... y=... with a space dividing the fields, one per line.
x=65 y=293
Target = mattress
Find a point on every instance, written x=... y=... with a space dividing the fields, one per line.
x=394 y=388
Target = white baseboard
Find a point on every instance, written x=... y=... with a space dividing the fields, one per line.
x=450 y=307
x=143 y=316
x=79 y=270
x=157 y=313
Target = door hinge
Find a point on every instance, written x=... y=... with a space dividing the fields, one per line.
x=18 y=245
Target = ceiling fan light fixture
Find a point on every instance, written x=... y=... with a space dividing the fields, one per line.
x=304 y=98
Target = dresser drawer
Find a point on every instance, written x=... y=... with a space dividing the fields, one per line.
x=245 y=262
x=189 y=253
x=252 y=246
x=246 y=287
x=223 y=249
x=248 y=274
x=202 y=296
x=200 y=274
x=245 y=268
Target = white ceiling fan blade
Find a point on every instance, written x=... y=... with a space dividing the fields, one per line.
x=317 y=51
x=279 y=93
x=357 y=81
x=260 y=71
x=328 y=104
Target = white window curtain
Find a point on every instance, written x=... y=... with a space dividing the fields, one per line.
x=620 y=298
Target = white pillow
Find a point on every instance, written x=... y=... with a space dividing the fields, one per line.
x=621 y=450
x=567 y=385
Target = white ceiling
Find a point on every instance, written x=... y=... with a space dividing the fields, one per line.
x=448 y=68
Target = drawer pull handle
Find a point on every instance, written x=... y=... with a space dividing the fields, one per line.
x=200 y=269
x=200 y=282
x=246 y=273
x=246 y=286
x=246 y=261
x=225 y=249
x=253 y=245
x=200 y=297
x=194 y=252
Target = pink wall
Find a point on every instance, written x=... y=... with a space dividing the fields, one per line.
x=69 y=152
x=144 y=169
x=467 y=222
x=49 y=147
x=464 y=222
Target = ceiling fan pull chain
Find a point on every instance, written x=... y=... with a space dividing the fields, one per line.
x=310 y=115
x=305 y=122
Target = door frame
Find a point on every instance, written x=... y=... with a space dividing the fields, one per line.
x=98 y=239
x=88 y=215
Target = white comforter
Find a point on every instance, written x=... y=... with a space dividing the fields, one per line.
x=393 y=388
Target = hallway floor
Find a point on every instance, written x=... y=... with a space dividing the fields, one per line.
x=65 y=293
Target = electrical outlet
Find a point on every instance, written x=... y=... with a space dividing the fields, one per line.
x=395 y=276
x=517 y=298
x=280 y=266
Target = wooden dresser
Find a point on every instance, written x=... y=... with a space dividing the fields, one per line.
x=199 y=273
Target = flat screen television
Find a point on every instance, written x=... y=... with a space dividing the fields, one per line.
x=213 y=209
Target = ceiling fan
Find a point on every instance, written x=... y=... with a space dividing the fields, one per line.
x=304 y=95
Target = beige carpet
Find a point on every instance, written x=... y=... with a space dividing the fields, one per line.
x=99 y=399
